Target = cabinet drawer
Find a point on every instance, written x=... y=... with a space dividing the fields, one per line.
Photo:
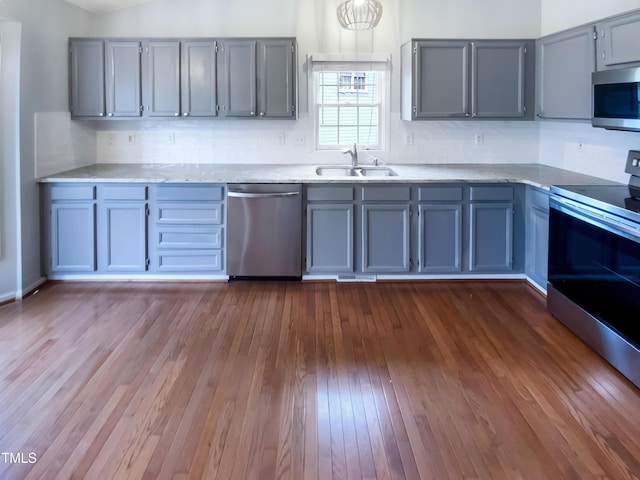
x=180 y=213
x=440 y=194
x=123 y=192
x=332 y=194
x=491 y=193
x=390 y=194
x=190 y=261
x=190 y=192
x=73 y=192
x=189 y=237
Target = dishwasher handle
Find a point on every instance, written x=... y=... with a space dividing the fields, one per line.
x=237 y=194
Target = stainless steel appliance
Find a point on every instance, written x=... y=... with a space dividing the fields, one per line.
x=616 y=96
x=264 y=231
x=594 y=266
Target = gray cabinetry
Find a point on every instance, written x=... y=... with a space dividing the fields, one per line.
x=187 y=228
x=385 y=229
x=618 y=41
x=537 y=236
x=199 y=74
x=564 y=65
x=72 y=234
x=161 y=78
x=123 y=87
x=122 y=228
x=440 y=229
x=257 y=78
x=491 y=229
x=86 y=73
x=466 y=79
x=330 y=230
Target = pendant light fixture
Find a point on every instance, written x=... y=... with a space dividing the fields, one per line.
x=359 y=14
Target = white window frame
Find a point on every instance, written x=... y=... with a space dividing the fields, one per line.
x=352 y=64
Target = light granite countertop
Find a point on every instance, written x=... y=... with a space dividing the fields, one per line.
x=531 y=174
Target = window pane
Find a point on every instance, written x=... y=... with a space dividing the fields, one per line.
x=328 y=135
x=348 y=135
x=368 y=135
x=368 y=116
x=328 y=116
x=348 y=115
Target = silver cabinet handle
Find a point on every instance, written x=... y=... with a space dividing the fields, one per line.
x=236 y=194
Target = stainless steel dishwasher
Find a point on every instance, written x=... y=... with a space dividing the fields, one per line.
x=264 y=231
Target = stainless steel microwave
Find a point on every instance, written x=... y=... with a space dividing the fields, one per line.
x=616 y=99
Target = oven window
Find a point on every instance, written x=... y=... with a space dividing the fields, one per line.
x=616 y=100
x=598 y=270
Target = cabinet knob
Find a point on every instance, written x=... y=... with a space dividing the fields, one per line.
x=110 y=114
x=101 y=115
x=185 y=114
x=466 y=114
x=253 y=114
x=262 y=114
x=176 y=114
x=539 y=114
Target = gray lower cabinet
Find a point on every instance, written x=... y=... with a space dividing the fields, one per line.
x=71 y=228
x=491 y=239
x=122 y=228
x=467 y=79
x=564 y=63
x=618 y=41
x=440 y=238
x=330 y=229
x=385 y=238
x=537 y=235
x=187 y=229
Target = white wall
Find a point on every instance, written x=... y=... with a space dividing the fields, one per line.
x=604 y=152
x=46 y=25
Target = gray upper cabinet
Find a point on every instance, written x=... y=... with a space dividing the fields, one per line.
x=257 y=78
x=198 y=71
x=618 y=41
x=498 y=79
x=161 y=78
x=86 y=73
x=123 y=95
x=564 y=63
x=466 y=79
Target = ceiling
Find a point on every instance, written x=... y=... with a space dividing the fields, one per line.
x=102 y=6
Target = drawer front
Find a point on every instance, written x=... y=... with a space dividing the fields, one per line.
x=190 y=261
x=330 y=194
x=73 y=192
x=440 y=194
x=188 y=192
x=123 y=192
x=491 y=193
x=184 y=214
x=389 y=194
x=189 y=237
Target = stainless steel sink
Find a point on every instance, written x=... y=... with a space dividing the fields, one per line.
x=359 y=171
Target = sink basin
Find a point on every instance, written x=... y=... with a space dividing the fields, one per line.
x=336 y=171
x=359 y=171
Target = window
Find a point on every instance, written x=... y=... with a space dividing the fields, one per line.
x=349 y=104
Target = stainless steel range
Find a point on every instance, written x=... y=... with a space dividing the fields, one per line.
x=594 y=266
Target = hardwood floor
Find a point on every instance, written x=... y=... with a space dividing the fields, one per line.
x=306 y=381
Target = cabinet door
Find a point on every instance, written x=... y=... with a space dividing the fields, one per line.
x=73 y=238
x=498 y=79
x=441 y=79
x=537 y=245
x=161 y=93
x=123 y=79
x=276 y=87
x=198 y=69
x=239 y=78
x=330 y=238
x=564 y=64
x=440 y=238
x=491 y=241
x=618 y=41
x=122 y=230
x=87 y=78
x=385 y=238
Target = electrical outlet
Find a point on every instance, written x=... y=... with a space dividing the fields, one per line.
x=131 y=138
x=408 y=139
x=111 y=138
x=582 y=145
x=171 y=138
x=282 y=138
x=479 y=139
x=300 y=140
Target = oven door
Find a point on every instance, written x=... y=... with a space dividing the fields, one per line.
x=594 y=261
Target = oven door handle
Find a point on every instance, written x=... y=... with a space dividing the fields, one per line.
x=595 y=217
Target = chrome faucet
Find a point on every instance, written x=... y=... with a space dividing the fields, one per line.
x=354 y=154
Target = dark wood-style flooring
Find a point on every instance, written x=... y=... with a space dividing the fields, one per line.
x=306 y=381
